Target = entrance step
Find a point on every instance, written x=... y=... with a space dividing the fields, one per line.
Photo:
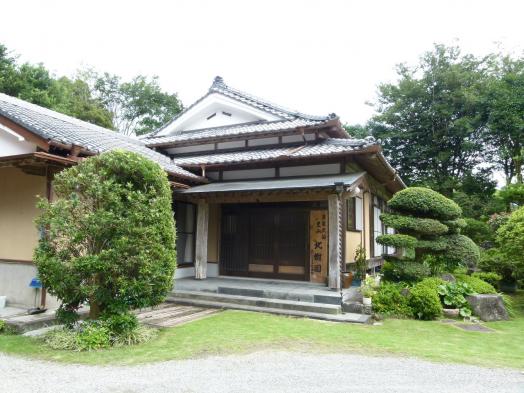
x=189 y=297
x=334 y=317
x=323 y=297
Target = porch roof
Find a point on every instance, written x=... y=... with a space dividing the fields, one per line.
x=277 y=184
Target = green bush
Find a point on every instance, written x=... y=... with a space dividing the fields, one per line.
x=461 y=250
x=121 y=323
x=3 y=326
x=424 y=302
x=93 y=335
x=455 y=226
x=397 y=240
x=454 y=294
x=510 y=238
x=424 y=202
x=110 y=235
x=493 y=260
x=136 y=336
x=432 y=283
x=389 y=301
x=404 y=271
x=489 y=277
x=476 y=284
x=478 y=231
x=427 y=226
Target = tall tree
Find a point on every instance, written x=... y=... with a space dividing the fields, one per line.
x=34 y=83
x=137 y=106
x=505 y=110
x=430 y=121
x=357 y=131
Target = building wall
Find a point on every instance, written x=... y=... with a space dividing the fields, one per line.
x=213 y=233
x=18 y=196
x=19 y=236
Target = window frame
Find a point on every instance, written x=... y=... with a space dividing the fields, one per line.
x=183 y=232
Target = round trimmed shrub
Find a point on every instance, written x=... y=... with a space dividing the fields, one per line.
x=455 y=226
x=424 y=202
x=397 y=240
x=510 y=238
x=490 y=277
x=425 y=226
x=425 y=302
x=476 y=284
x=404 y=271
x=432 y=282
x=461 y=250
x=389 y=301
x=109 y=235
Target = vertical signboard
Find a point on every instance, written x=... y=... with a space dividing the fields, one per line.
x=318 y=245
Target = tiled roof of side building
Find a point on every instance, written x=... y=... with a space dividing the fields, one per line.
x=248 y=129
x=220 y=87
x=324 y=148
x=68 y=130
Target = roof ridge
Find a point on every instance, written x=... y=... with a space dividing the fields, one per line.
x=218 y=85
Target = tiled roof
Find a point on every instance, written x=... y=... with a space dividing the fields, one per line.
x=220 y=87
x=248 y=129
x=64 y=129
x=324 y=148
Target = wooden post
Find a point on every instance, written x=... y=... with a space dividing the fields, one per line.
x=201 y=240
x=335 y=248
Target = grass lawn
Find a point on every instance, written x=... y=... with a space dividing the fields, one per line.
x=236 y=332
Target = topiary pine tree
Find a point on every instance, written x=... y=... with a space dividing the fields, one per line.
x=428 y=224
x=109 y=236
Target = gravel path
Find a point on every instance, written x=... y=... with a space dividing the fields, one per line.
x=260 y=372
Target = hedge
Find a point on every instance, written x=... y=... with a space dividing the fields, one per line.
x=424 y=226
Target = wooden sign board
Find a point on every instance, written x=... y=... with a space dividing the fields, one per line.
x=318 y=245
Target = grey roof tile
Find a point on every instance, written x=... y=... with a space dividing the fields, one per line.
x=64 y=129
x=248 y=129
x=324 y=148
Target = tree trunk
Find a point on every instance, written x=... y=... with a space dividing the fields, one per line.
x=94 y=309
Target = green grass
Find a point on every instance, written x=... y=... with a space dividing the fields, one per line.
x=240 y=332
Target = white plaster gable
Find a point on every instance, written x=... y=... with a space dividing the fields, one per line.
x=216 y=110
x=12 y=144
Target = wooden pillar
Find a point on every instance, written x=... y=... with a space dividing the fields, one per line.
x=335 y=246
x=201 y=240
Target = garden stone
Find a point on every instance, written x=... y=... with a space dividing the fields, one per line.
x=451 y=312
x=488 y=307
x=353 y=307
x=352 y=294
x=448 y=277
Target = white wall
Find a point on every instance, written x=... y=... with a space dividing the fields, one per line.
x=12 y=145
x=183 y=272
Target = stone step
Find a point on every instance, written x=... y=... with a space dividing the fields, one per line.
x=299 y=296
x=321 y=308
x=347 y=317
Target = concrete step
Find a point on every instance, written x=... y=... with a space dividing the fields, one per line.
x=265 y=302
x=296 y=295
x=347 y=317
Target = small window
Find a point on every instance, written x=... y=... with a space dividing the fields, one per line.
x=354 y=214
x=185 y=221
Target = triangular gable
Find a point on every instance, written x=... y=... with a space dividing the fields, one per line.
x=215 y=110
x=226 y=106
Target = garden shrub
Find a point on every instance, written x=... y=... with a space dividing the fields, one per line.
x=510 y=238
x=389 y=301
x=478 y=231
x=425 y=302
x=432 y=282
x=404 y=271
x=110 y=237
x=424 y=202
x=476 y=284
x=454 y=294
x=428 y=224
x=489 y=277
x=3 y=326
x=120 y=323
x=93 y=335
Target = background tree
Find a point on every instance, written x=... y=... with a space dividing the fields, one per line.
x=357 y=131
x=138 y=106
x=430 y=121
x=428 y=224
x=109 y=235
x=505 y=112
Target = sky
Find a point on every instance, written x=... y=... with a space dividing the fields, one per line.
x=318 y=57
